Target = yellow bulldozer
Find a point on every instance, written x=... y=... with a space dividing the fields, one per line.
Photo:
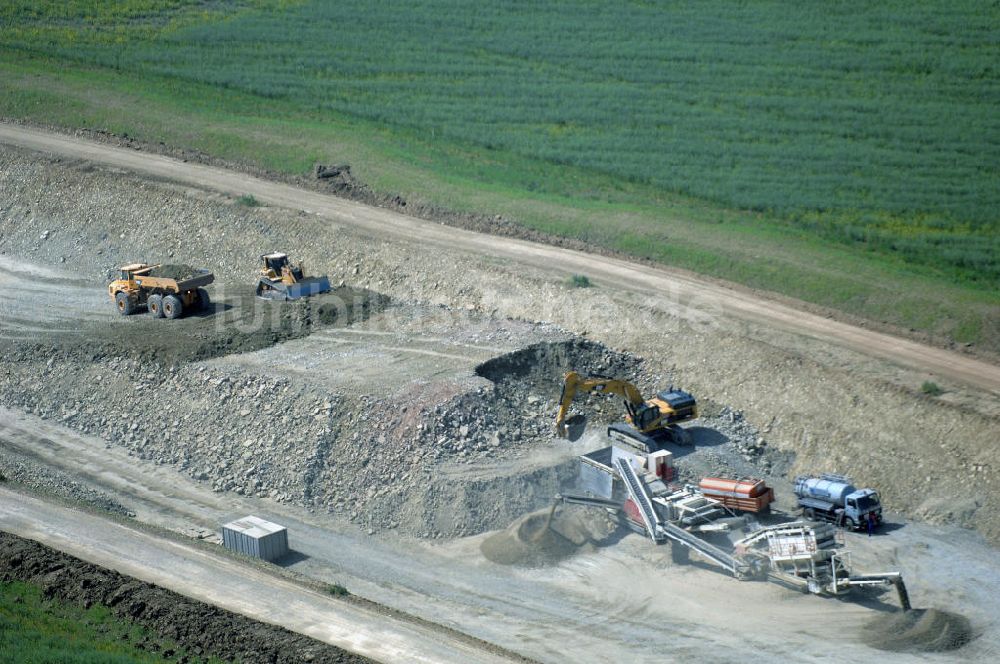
x=649 y=423
x=282 y=280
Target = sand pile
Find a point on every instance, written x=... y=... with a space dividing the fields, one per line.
x=536 y=541
x=919 y=630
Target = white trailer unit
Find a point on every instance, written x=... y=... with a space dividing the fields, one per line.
x=256 y=537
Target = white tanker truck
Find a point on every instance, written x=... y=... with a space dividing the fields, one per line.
x=835 y=499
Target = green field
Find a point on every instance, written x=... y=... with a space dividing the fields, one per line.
x=843 y=153
x=34 y=630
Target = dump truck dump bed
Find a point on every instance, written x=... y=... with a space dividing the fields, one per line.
x=200 y=279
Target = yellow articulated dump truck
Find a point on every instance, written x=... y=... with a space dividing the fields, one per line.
x=165 y=290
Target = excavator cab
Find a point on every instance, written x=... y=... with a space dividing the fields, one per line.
x=680 y=405
x=644 y=417
x=645 y=421
x=274 y=263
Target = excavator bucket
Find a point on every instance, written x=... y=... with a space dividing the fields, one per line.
x=276 y=290
x=572 y=429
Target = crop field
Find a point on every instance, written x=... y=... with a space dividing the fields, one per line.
x=868 y=128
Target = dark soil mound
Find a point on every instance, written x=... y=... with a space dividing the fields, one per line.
x=177 y=271
x=235 y=322
x=196 y=627
x=543 y=365
x=919 y=630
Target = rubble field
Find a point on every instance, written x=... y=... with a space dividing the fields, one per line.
x=66 y=225
x=401 y=419
x=417 y=399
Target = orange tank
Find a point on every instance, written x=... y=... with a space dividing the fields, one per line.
x=748 y=495
x=748 y=488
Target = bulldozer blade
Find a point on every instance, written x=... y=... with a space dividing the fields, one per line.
x=309 y=286
x=275 y=290
x=271 y=290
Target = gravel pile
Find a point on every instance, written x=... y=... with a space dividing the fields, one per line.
x=520 y=406
x=20 y=470
x=726 y=444
x=377 y=460
x=373 y=459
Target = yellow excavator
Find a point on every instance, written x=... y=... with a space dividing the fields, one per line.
x=648 y=423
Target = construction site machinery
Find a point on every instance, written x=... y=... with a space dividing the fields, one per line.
x=835 y=499
x=597 y=473
x=744 y=495
x=282 y=280
x=165 y=290
x=808 y=556
x=803 y=555
x=648 y=423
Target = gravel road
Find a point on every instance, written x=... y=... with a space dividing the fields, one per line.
x=233 y=585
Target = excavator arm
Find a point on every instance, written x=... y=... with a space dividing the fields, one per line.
x=574 y=383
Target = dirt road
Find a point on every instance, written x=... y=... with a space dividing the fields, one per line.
x=231 y=585
x=673 y=291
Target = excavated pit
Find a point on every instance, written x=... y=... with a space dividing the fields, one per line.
x=542 y=366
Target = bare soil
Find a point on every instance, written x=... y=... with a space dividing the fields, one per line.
x=235 y=322
x=825 y=409
x=419 y=397
x=339 y=181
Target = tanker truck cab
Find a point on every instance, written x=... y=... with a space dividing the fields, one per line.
x=835 y=499
x=859 y=505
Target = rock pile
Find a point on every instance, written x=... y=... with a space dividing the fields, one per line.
x=20 y=470
x=370 y=458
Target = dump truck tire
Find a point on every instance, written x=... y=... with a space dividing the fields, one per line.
x=155 y=305
x=204 y=302
x=849 y=523
x=125 y=304
x=172 y=307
